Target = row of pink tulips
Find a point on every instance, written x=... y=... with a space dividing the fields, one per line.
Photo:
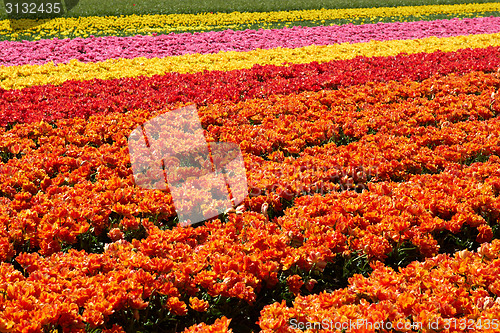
x=102 y=48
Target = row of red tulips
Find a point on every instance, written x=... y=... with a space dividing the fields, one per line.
x=82 y=99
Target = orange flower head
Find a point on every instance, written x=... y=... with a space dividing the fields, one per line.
x=198 y=304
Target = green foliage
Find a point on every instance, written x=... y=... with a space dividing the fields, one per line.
x=478 y=157
x=402 y=255
x=90 y=242
x=340 y=139
x=450 y=243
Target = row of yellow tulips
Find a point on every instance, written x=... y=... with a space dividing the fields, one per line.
x=146 y=24
x=18 y=77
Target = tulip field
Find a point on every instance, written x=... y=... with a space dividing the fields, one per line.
x=371 y=146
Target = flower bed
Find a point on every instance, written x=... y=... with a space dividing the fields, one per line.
x=82 y=99
x=373 y=187
x=17 y=77
x=148 y=24
x=424 y=296
x=160 y=46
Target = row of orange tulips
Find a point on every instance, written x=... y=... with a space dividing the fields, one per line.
x=188 y=268
x=72 y=180
x=60 y=167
